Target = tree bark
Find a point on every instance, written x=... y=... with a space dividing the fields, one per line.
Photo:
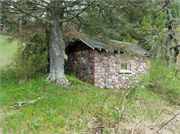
x=170 y=36
x=57 y=47
x=167 y=52
x=176 y=50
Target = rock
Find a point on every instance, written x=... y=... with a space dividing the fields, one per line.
x=110 y=64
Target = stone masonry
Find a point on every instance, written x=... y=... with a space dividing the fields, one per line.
x=102 y=69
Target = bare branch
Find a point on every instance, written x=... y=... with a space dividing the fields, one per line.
x=167 y=122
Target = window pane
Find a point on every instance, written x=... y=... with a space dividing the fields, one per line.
x=128 y=66
x=125 y=66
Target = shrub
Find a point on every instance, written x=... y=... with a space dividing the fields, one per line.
x=31 y=58
x=162 y=80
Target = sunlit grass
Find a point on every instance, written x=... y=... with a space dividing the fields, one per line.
x=7 y=49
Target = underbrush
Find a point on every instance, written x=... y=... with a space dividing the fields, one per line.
x=79 y=108
x=164 y=81
x=30 y=58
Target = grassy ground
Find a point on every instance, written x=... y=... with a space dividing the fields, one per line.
x=6 y=49
x=38 y=107
x=81 y=108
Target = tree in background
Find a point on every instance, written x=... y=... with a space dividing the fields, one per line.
x=161 y=28
x=119 y=20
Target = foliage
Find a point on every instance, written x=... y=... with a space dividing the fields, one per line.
x=154 y=30
x=72 y=35
x=30 y=59
x=162 y=80
x=119 y=20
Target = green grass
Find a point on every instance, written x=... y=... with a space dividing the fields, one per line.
x=7 y=49
x=72 y=109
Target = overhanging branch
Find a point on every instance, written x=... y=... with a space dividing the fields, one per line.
x=159 y=10
x=77 y=13
x=31 y=1
x=25 y=11
x=71 y=4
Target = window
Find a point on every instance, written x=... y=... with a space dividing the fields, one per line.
x=125 y=68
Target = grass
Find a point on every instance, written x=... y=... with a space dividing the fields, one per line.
x=82 y=108
x=6 y=49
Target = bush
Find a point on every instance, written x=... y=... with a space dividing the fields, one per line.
x=162 y=80
x=30 y=59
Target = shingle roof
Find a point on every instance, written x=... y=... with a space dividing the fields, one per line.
x=130 y=47
x=114 y=45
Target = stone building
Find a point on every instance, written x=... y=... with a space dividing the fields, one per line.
x=112 y=64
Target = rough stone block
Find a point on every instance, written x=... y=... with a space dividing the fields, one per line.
x=94 y=64
x=110 y=64
x=99 y=81
x=107 y=70
x=95 y=76
x=106 y=80
x=95 y=81
x=109 y=81
x=117 y=86
x=104 y=62
x=100 y=64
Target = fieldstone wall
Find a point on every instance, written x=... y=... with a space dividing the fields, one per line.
x=80 y=63
x=102 y=69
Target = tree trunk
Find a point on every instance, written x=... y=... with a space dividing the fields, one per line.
x=176 y=50
x=170 y=36
x=167 y=52
x=57 y=48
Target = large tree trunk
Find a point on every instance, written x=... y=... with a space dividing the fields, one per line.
x=57 y=48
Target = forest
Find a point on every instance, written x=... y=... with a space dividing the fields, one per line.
x=38 y=95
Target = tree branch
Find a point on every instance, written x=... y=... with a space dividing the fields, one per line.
x=159 y=10
x=167 y=122
x=25 y=11
x=78 y=13
x=31 y=1
x=71 y=4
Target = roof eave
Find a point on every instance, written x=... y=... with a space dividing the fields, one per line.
x=87 y=43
